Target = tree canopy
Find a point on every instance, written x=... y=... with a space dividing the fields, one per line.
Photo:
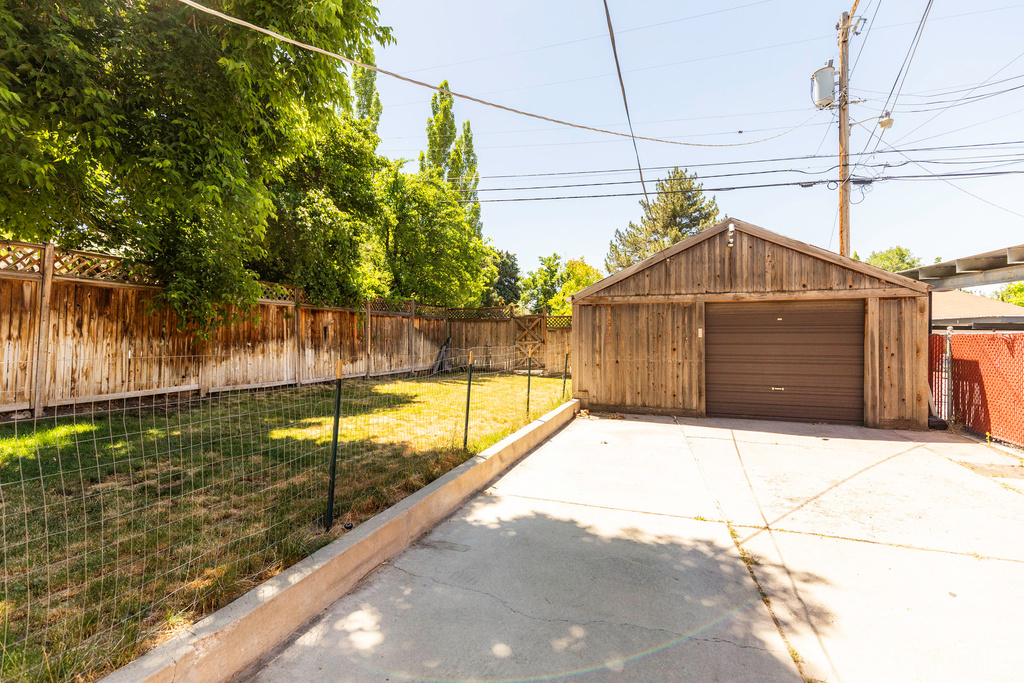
x=154 y=131
x=578 y=275
x=894 y=259
x=1012 y=293
x=504 y=288
x=451 y=154
x=553 y=283
x=679 y=210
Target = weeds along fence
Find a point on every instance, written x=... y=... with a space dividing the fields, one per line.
x=123 y=521
x=977 y=381
x=148 y=477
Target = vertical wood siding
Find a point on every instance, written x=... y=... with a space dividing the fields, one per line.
x=633 y=353
x=637 y=357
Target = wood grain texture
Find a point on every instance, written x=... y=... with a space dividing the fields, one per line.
x=759 y=267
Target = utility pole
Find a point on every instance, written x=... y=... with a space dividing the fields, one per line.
x=844 y=132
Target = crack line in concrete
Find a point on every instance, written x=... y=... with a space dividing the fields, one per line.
x=507 y=606
x=782 y=561
x=903 y=546
x=794 y=655
x=608 y=507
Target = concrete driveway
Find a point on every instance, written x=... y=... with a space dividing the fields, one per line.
x=848 y=554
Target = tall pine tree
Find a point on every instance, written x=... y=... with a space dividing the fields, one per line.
x=679 y=211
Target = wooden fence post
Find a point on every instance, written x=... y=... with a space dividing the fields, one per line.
x=299 y=340
x=43 y=341
x=366 y=335
x=412 y=335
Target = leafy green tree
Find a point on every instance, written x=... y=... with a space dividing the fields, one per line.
x=428 y=247
x=451 y=154
x=540 y=286
x=504 y=288
x=553 y=283
x=577 y=275
x=1012 y=293
x=679 y=210
x=325 y=206
x=367 y=100
x=894 y=259
x=153 y=130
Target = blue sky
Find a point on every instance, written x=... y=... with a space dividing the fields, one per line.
x=744 y=66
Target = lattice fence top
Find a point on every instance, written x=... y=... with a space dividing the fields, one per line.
x=493 y=313
x=428 y=311
x=390 y=306
x=271 y=291
x=21 y=257
x=559 y=322
x=87 y=265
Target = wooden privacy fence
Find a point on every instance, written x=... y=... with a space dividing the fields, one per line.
x=78 y=327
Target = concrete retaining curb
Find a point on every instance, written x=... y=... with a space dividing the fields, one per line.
x=226 y=642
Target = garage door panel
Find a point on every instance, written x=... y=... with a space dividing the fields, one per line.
x=790 y=360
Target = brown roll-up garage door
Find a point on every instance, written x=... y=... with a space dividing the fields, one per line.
x=786 y=360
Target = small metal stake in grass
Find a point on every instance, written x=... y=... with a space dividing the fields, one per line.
x=529 y=373
x=334 y=450
x=565 y=371
x=469 y=388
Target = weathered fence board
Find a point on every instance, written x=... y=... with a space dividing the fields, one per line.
x=106 y=337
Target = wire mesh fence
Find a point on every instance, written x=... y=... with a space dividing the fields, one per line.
x=977 y=380
x=123 y=521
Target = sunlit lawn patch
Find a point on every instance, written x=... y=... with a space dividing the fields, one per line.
x=120 y=527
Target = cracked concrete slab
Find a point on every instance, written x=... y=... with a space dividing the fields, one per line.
x=883 y=555
x=517 y=585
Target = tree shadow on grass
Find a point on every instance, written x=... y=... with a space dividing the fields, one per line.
x=500 y=592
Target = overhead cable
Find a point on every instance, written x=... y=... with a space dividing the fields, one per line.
x=625 y=102
x=805 y=157
x=470 y=98
x=807 y=183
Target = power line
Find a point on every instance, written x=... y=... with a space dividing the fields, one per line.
x=940 y=113
x=939 y=148
x=640 y=123
x=949 y=104
x=957 y=130
x=470 y=98
x=583 y=40
x=1017 y=159
x=867 y=32
x=939 y=92
x=625 y=102
x=717 y=56
x=904 y=70
x=805 y=184
x=787 y=129
x=957 y=187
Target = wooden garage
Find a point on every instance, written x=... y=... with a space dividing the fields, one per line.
x=738 y=321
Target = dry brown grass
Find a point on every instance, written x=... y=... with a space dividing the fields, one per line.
x=120 y=528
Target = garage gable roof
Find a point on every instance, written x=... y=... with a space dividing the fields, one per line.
x=760 y=233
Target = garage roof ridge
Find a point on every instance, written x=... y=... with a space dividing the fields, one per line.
x=761 y=233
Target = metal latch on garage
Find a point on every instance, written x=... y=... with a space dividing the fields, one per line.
x=739 y=321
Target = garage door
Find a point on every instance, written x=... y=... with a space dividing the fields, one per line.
x=786 y=360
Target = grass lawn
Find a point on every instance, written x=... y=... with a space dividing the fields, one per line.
x=122 y=527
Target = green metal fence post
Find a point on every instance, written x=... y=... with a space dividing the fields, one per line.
x=565 y=371
x=334 y=450
x=529 y=374
x=469 y=388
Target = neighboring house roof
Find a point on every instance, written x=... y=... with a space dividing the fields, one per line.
x=962 y=309
x=767 y=235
